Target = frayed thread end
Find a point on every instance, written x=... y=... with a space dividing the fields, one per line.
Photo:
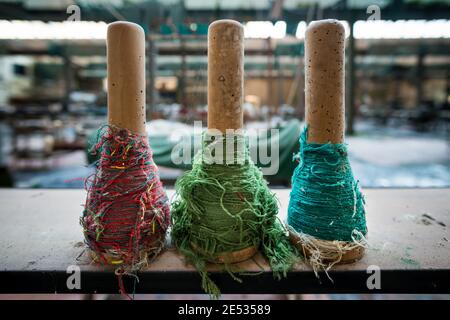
x=322 y=255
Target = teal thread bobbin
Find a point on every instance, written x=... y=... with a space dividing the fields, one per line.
x=326 y=201
x=326 y=215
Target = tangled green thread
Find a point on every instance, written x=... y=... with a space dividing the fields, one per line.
x=225 y=207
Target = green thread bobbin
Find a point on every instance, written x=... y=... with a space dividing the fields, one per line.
x=227 y=207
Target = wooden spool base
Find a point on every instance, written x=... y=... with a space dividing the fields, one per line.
x=348 y=257
x=231 y=257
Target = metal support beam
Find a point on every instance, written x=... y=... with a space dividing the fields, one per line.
x=271 y=98
x=350 y=106
x=419 y=77
x=67 y=80
x=182 y=84
x=280 y=82
x=152 y=53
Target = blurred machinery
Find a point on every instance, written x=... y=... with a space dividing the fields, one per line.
x=52 y=71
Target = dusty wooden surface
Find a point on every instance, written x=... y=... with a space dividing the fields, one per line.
x=39 y=231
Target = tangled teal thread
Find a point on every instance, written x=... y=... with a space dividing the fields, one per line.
x=326 y=201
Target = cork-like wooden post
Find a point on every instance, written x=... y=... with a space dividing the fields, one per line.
x=126 y=76
x=225 y=92
x=325 y=91
x=225 y=75
x=324 y=81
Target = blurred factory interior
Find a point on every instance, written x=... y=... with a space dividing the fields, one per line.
x=53 y=70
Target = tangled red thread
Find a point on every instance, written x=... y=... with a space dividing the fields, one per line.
x=126 y=214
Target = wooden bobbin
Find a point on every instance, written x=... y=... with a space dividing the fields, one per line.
x=225 y=75
x=325 y=92
x=125 y=44
x=126 y=76
x=225 y=93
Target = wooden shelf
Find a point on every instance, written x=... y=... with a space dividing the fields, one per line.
x=409 y=231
